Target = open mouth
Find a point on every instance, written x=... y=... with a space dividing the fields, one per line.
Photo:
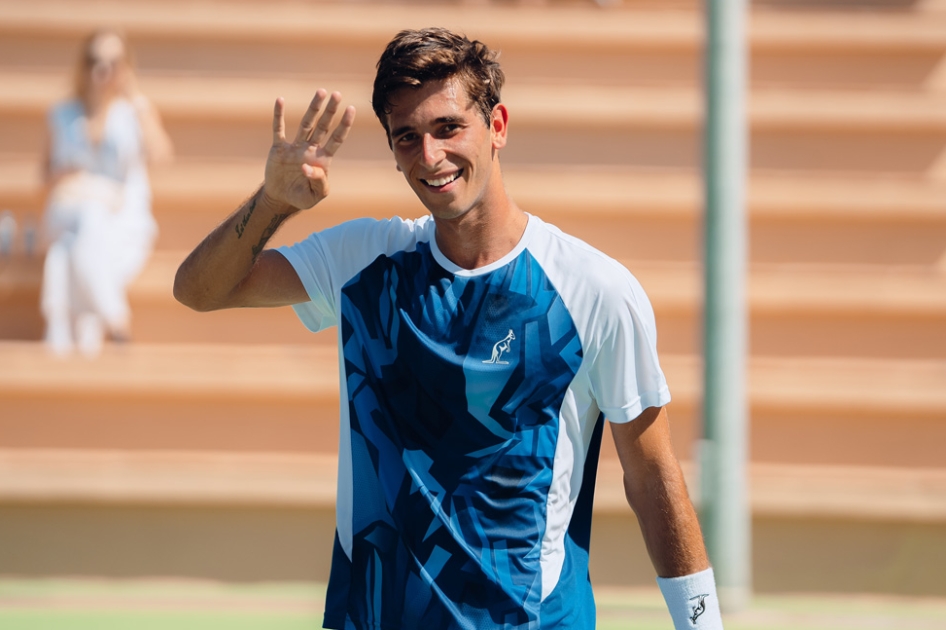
x=440 y=182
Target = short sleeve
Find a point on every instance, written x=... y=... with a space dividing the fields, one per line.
x=327 y=260
x=314 y=270
x=625 y=373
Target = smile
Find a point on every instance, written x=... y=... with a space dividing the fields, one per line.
x=442 y=181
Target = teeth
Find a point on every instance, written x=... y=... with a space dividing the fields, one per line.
x=443 y=181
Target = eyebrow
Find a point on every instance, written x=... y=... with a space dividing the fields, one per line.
x=439 y=121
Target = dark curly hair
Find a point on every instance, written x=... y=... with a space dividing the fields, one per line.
x=415 y=57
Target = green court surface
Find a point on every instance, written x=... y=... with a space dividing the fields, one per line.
x=80 y=604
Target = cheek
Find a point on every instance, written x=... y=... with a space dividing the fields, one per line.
x=469 y=150
x=401 y=161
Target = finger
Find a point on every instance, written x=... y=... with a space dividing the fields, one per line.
x=308 y=119
x=279 y=123
x=341 y=132
x=325 y=120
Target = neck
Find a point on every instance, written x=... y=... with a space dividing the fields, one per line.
x=479 y=238
x=96 y=101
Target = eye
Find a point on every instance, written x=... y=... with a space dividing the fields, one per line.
x=406 y=139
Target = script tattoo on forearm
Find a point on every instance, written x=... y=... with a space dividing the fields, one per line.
x=268 y=232
x=241 y=226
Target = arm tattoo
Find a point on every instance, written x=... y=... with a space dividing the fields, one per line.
x=241 y=226
x=268 y=232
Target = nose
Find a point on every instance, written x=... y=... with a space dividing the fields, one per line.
x=433 y=151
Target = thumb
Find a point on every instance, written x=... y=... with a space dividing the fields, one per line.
x=314 y=172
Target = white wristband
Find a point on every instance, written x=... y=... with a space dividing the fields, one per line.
x=692 y=601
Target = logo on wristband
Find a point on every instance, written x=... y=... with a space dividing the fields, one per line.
x=699 y=608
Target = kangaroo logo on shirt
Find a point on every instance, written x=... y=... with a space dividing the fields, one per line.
x=500 y=348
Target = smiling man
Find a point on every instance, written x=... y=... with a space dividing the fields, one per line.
x=482 y=350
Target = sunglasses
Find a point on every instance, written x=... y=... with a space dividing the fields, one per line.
x=92 y=60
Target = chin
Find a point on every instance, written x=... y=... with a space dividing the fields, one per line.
x=448 y=213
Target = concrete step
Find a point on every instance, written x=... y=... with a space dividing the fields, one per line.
x=870 y=131
x=307 y=480
x=268 y=517
x=628 y=213
x=168 y=477
x=252 y=398
x=795 y=310
x=587 y=25
x=537 y=103
x=152 y=396
x=654 y=43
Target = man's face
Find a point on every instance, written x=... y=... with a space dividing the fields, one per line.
x=445 y=149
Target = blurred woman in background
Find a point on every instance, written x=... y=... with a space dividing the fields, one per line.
x=98 y=213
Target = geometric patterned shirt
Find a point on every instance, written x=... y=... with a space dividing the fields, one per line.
x=473 y=403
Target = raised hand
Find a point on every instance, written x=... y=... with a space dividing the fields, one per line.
x=297 y=172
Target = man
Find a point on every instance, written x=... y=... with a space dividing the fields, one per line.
x=482 y=349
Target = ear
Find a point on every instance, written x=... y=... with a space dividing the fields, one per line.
x=499 y=122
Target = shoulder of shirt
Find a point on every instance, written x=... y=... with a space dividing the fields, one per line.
x=69 y=106
x=588 y=275
x=379 y=235
x=72 y=107
x=66 y=103
x=420 y=226
x=596 y=266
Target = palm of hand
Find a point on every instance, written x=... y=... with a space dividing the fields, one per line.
x=297 y=172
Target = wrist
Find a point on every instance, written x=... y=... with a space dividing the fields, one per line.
x=274 y=204
x=692 y=601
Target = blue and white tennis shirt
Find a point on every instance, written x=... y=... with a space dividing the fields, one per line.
x=475 y=406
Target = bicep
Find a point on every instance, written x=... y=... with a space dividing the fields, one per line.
x=272 y=281
x=644 y=440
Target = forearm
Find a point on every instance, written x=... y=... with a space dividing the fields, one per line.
x=158 y=146
x=210 y=276
x=656 y=491
x=230 y=267
x=667 y=519
x=675 y=544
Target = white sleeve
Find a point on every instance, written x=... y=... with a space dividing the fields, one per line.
x=327 y=260
x=625 y=372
